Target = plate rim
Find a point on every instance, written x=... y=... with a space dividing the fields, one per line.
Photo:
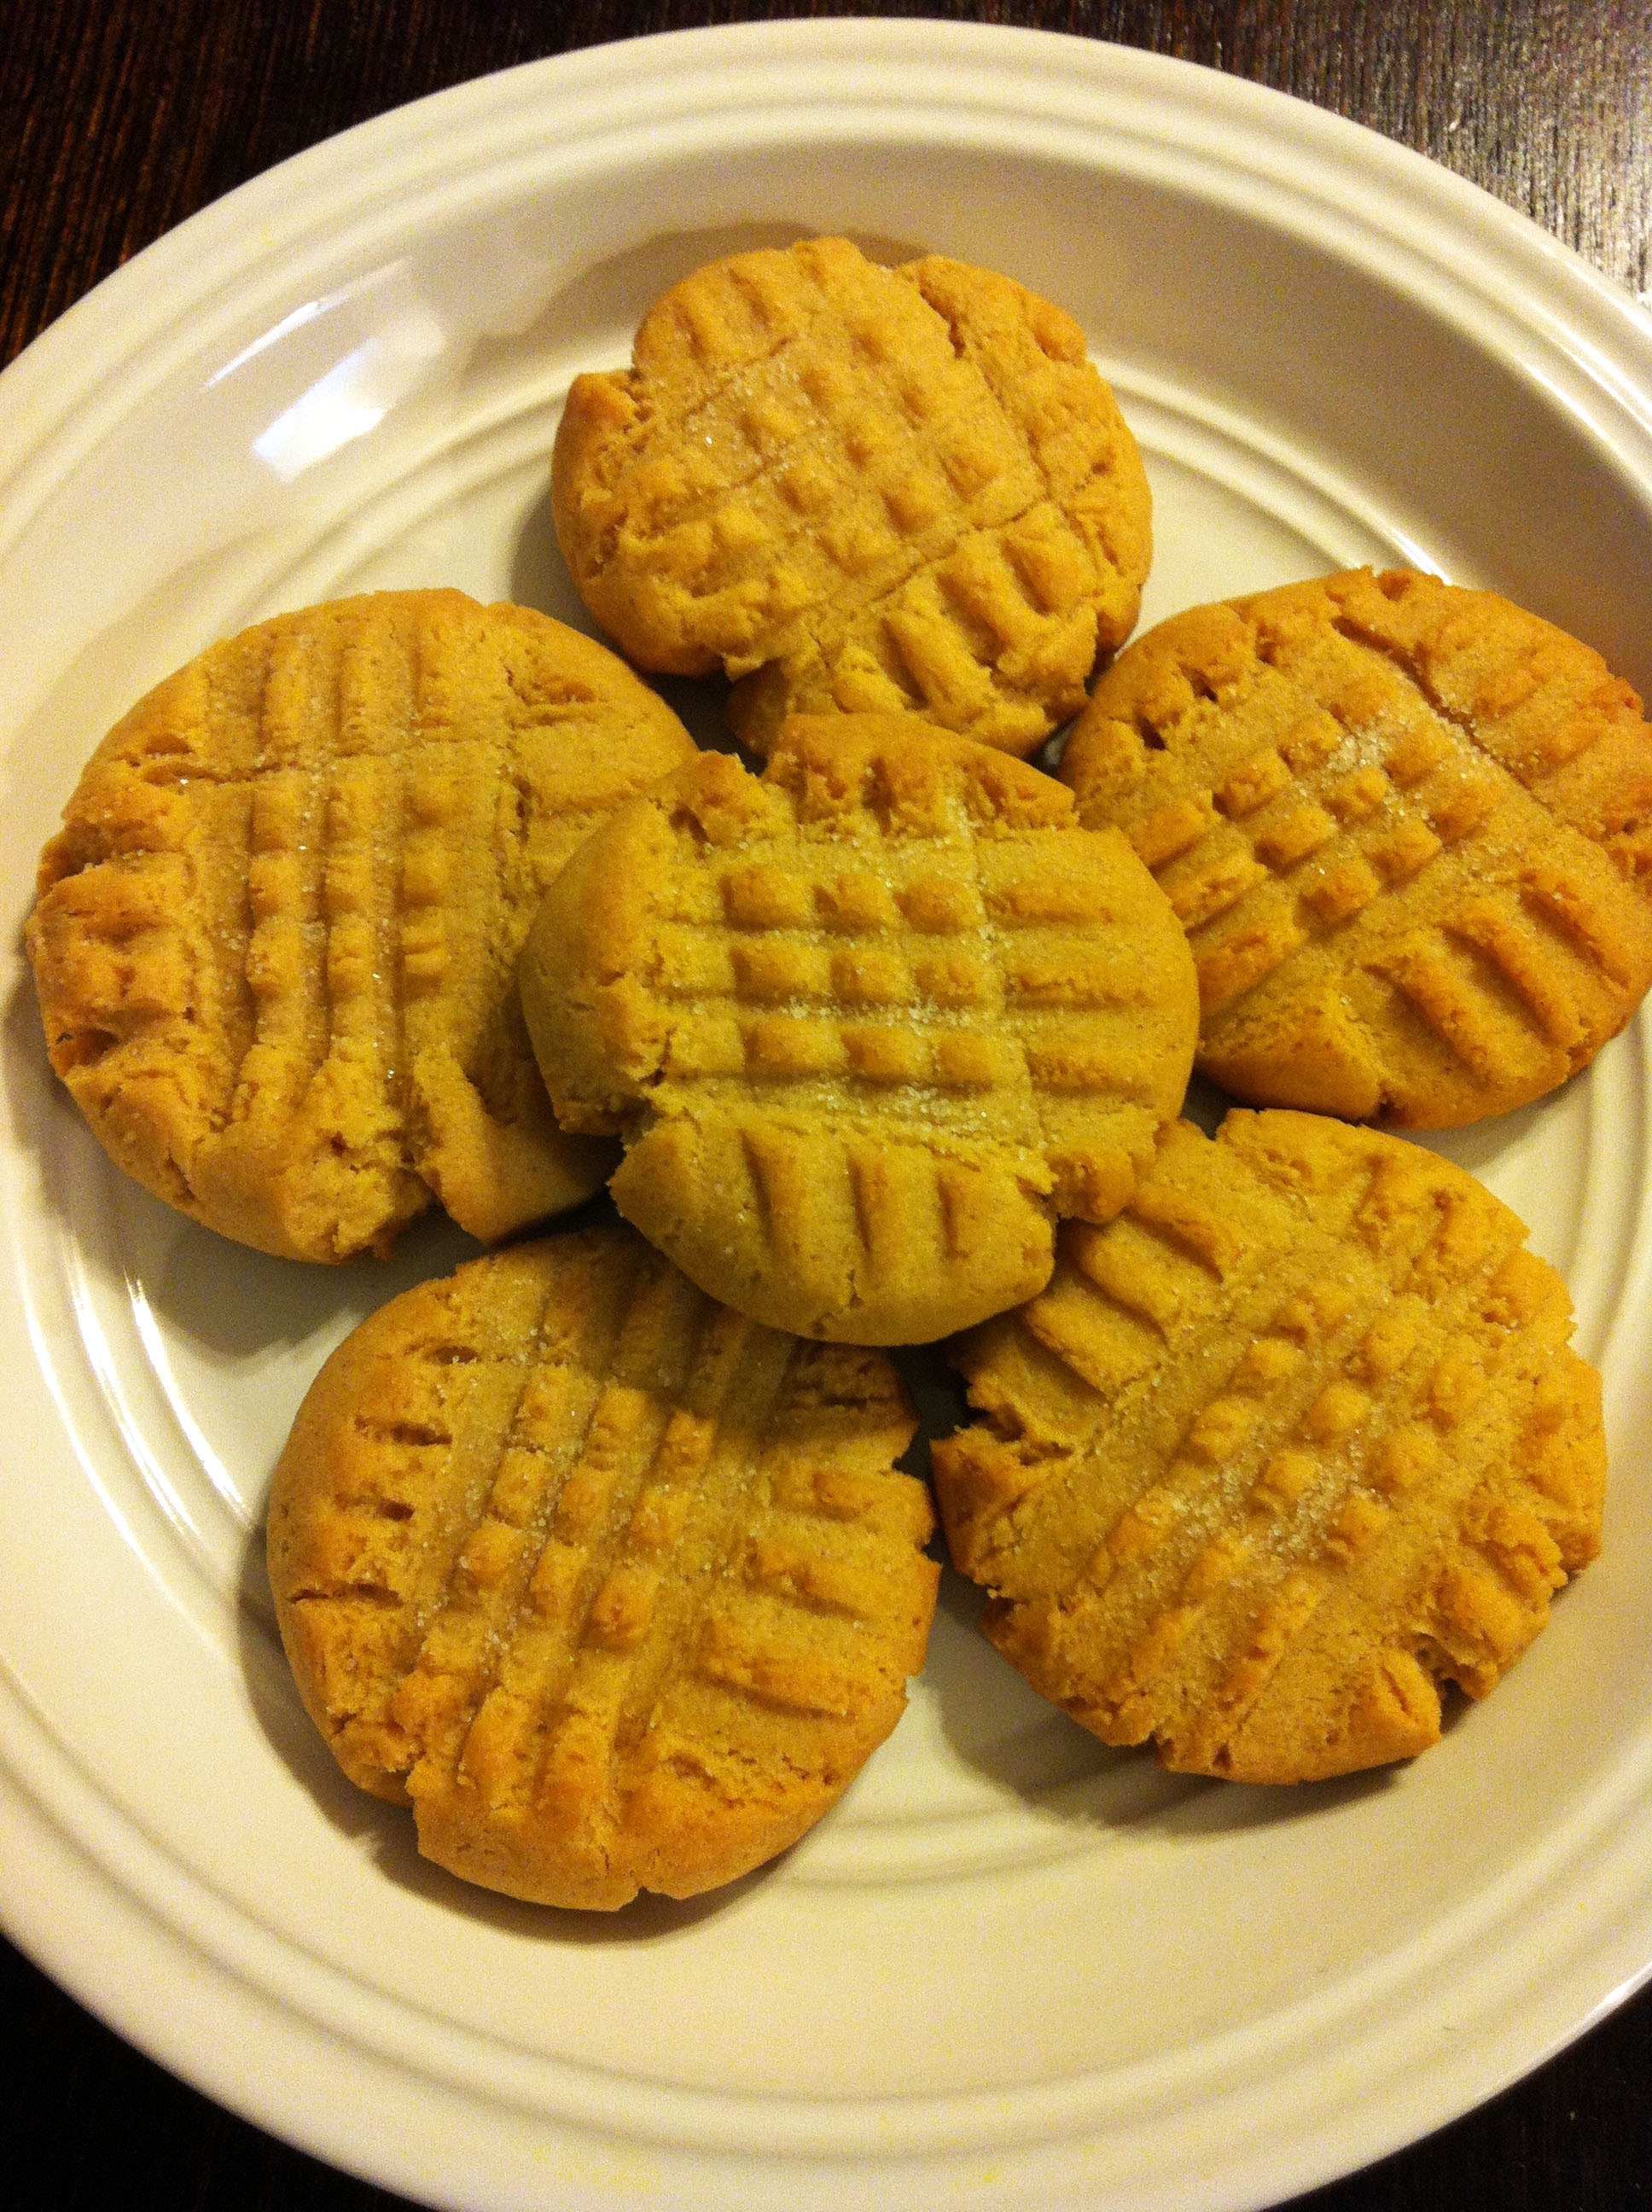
x=180 y=264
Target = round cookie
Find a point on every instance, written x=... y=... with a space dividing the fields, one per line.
x=276 y=941
x=1408 y=828
x=1294 y=1439
x=867 y=1025
x=858 y=489
x=618 y=1589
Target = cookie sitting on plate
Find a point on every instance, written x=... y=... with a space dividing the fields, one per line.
x=858 y=488
x=1408 y=828
x=867 y=1025
x=276 y=939
x=1295 y=1439
x=616 y=1589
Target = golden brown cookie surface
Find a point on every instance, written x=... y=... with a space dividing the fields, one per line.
x=276 y=940
x=867 y=1025
x=859 y=488
x=619 y=1590
x=1294 y=1439
x=1408 y=828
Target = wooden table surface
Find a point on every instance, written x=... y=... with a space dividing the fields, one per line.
x=119 y=117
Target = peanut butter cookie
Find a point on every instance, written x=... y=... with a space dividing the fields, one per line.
x=867 y=1025
x=1408 y=828
x=276 y=941
x=618 y=1589
x=860 y=488
x=1294 y=1439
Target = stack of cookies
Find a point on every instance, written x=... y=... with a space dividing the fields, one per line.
x=597 y=1553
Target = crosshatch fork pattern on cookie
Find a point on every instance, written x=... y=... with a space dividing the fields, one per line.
x=564 y=1547
x=957 y=956
x=882 y=1014
x=857 y=487
x=1406 y=828
x=276 y=937
x=1296 y=1435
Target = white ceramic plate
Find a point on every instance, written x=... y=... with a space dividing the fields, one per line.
x=1012 y=1967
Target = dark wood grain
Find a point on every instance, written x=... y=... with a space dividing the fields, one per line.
x=119 y=117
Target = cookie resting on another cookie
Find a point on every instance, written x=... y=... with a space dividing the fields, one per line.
x=1408 y=828
x=618 y=1589
x=1294 y=1439
x=867 y=1025
x=276 y=942
x=859 y=488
